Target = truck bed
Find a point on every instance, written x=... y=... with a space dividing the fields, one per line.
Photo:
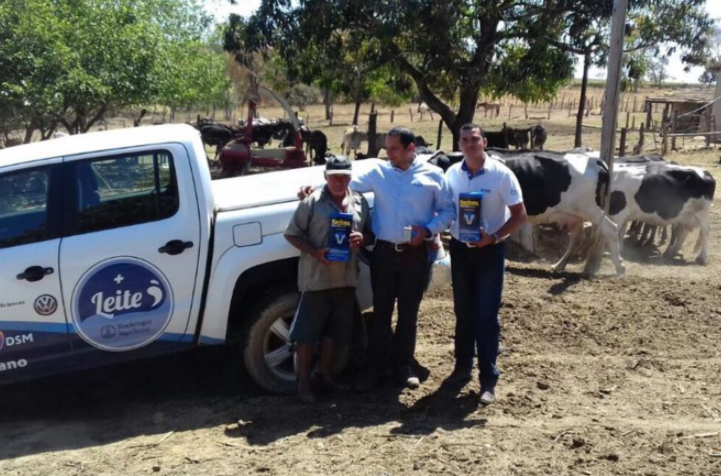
x=270 y=188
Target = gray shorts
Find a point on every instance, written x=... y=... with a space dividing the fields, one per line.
x=326 y=313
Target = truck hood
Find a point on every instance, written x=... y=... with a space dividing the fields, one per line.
x=272 y=188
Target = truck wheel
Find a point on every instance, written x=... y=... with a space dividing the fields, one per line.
x=267 y=351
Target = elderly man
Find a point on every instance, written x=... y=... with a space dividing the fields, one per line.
x=332 y=217
x=412 y=204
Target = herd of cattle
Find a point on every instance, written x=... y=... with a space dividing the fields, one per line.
x=565 y=189
x=561 y=188
x=218 y=135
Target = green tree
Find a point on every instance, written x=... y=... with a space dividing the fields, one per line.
x=449 y=48
x=452 y=49
x=68 y=62
x=658 y=29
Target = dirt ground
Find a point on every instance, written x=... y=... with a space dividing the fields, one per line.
x=602 y=376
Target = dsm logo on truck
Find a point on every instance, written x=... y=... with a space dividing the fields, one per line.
x=11 y=341
x=122 y=304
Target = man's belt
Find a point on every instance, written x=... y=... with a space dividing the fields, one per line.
x=401 y=247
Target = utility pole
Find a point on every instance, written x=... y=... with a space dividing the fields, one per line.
x=610 y=113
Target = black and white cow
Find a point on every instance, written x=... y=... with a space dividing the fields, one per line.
x=558 y=188
x=564 y=189
x=665 y=194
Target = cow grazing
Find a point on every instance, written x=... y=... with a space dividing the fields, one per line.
x=421 y=142
x=519 y=138
x=538 y=137
x=352 y=139
x=317 y=145
x=217 y=135
x=564 y=189
x=489 y=106
x=665 y=194
x=423 y=109
x=497 y=139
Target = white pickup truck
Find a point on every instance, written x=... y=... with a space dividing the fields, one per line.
x=117 y=245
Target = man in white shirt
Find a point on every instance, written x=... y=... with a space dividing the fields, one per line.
x=478 y=266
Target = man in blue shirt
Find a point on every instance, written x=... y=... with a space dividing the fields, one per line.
x=411 y=198
x=407 y=194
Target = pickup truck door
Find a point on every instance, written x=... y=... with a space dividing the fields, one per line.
x=33 y=327
x=129 y=256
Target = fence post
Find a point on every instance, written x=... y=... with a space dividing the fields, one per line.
x=393 y=113
x=622 y=146
x=639 y=147
x=372 y=131
x=649 y=124
x=410 y=111
x=550 y=109
x=628 y=116
x=708 y=130
x=633 y=123
x=664 y=132
x=673 y=129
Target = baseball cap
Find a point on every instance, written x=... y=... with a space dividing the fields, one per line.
x=338 y=165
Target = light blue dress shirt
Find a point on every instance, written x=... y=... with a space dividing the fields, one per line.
x=417 y=196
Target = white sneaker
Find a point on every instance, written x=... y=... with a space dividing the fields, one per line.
x=487 y=398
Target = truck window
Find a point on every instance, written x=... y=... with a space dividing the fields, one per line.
x=23 y=207
x=124 y=190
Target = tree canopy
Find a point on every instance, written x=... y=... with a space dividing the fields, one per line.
x=68 y=62
x=454 y=49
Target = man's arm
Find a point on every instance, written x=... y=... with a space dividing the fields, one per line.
x=305 y=247
x=445 y=208
x=518 y=217
x=362 y=183
x=297 y=232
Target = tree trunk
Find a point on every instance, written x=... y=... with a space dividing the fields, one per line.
x=582 y=101
x=466 y=111
x=356 y=113
x=328 y=102
x=29 y=130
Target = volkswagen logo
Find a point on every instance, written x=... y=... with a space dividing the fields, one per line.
x=46 y=305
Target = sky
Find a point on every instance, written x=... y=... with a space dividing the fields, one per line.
x=222 y=8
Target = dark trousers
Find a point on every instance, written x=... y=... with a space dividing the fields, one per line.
x=477 y=288
x=400 y=276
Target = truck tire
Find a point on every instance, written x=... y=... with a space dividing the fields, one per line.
x=268 y=355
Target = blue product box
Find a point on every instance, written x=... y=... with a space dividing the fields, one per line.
x=341 y=225
x=469 y=216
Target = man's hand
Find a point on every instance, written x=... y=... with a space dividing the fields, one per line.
x=355 y=239
x=320 y=256
x=437 y=243
x=420 y=234
x=304 y=191
x=485 y=240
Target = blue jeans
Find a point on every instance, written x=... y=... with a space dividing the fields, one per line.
x=477 y=288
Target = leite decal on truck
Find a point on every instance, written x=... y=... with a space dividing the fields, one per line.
x=122 y=304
